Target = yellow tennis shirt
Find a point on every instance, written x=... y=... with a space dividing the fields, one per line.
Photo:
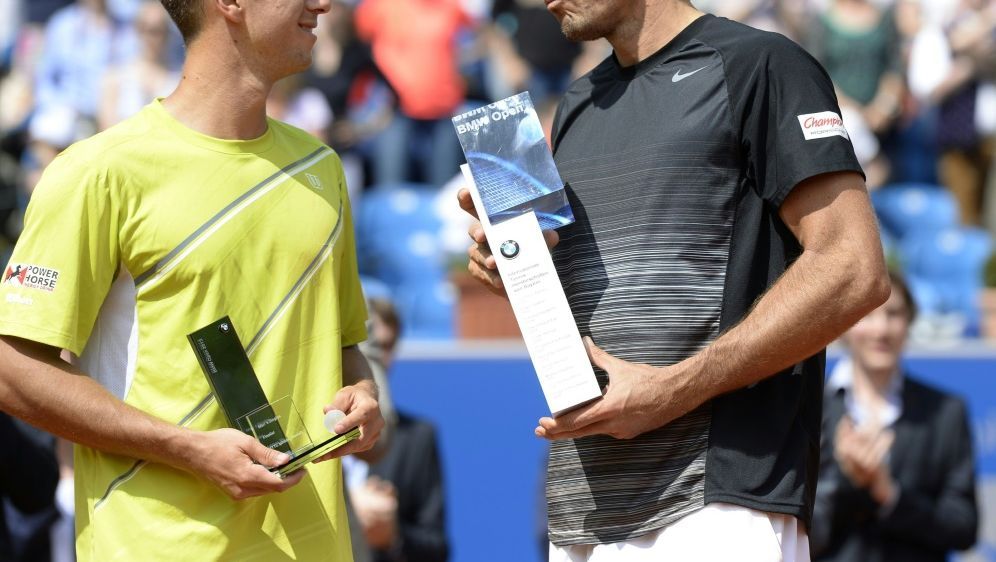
x=148 y=231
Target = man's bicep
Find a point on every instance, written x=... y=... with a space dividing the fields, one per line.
x=355 y=367
x=66 y=260
x=12 y=348
x=831 y=210
x=19 y=359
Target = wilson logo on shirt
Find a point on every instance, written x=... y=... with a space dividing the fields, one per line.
x=315 y=182
x=31 y=277
x=822 y=125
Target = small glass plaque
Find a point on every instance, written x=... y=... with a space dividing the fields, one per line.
x=278 y=425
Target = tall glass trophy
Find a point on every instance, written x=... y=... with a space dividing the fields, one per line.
x=518 y=192
x=278 y=424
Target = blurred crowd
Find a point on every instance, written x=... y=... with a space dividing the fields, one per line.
x=916 y=81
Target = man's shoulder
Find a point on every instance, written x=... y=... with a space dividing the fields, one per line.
x=741 y=44
x=582 y=86
x=415 y=426
x=928 y=396
x=132 y=134
x=106 y=161
x=295 y=136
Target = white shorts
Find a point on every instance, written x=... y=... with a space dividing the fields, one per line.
x=719 y=532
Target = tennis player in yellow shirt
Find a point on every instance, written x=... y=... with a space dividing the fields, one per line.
x=197 y=207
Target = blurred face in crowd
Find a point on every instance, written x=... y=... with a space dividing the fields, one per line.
x=99 y=6
x=152 y=24
x=587 y=20
x=877 y=340
x=282 y=33
x=384 y=329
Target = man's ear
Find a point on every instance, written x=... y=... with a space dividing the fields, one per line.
x=232 y=10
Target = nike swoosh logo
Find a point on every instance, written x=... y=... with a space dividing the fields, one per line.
x=678 y=76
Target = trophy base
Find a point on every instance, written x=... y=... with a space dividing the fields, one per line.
x=314 y=452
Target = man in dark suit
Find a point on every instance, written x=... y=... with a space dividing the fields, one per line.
x=897 y=474
x=399 y=500
x=410 y=472
x=28 y=476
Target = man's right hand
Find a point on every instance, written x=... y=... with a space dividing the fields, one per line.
x=37 y=386
x=237 y=463
x=482 y=265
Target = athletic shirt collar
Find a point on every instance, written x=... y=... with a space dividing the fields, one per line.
x=673 y=46
x=841 y=379
x=162 y=118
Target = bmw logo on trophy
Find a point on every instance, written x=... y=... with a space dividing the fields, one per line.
x=509 y=249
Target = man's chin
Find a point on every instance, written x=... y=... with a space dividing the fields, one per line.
x=298 y=68
x=883 y=364
x=578 y=33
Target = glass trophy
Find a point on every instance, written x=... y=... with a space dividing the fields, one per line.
x=518 y=192
x=511 y=162
x=277 y=425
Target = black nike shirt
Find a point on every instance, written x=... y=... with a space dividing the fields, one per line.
x=676 y=168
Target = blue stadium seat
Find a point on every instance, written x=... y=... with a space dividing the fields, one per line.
x=944 y=267
x=427 y=309
x=905 y=209
x=397 y=238
x=890 y=246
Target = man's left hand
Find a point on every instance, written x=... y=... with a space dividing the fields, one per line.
x=635 y=401
x=359 y=403
x=376 y=504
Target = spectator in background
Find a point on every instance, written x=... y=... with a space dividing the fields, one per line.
x=305 y=108
x=857 y=43
x=897 y=474
x=531 y=52
x=128 y=87
x=414 y=44
x=361 y=101
x=10 y=21
x=781 y=16
x=37 y=12
x=28 y=476
x=399 y=500
x=81 y=42
x=953 y=66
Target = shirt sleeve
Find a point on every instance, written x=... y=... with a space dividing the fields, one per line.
x=788 y=116
x=352 y=304
x=65 y=259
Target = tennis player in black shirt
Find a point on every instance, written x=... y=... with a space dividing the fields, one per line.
x=724 y=236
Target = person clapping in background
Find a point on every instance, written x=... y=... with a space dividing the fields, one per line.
x=897 y=473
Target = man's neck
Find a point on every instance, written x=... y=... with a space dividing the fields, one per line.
x=219 y=95
x=659 y=23
x=870 y=382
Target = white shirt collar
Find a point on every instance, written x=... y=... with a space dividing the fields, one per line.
x=842 y=378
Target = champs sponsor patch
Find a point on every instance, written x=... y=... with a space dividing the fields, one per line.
x=31 y=276
x=822 y=125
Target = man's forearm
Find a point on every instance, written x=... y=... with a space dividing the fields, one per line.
x=838 y=278
x=356 y=368
x=356 y=371
x=817 y=298
x=39 y=388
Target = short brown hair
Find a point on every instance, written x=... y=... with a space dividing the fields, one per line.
x=186 y=14
x=898 y=283
x=384 y=309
